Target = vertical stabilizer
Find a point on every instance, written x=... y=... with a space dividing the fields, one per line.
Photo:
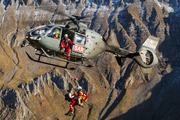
x=147 y=55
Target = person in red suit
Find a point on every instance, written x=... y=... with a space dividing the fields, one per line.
x=65 y=43
x=77 y=100
x=71 y=94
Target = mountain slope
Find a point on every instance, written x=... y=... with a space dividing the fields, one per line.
x=33 y=90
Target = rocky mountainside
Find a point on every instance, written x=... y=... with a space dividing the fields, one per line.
x=36 y=90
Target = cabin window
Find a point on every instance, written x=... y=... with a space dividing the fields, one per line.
x=56 y=33
x=80 y=39
x=40 y=31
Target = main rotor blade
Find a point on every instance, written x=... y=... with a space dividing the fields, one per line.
x=37 y=22
x=62 y=13
x=80 y=17
x=65 y=20
x=72 y=16
x=84 y=21
x=59 y=11
x=48 y=8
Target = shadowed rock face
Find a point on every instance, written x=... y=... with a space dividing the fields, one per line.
x=35 y=90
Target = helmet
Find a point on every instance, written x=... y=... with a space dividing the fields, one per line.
x=79 y=88
x=75 y=78
x=56 y=31
x=65 y=35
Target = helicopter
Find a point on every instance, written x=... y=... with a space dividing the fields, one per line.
x=87 y=44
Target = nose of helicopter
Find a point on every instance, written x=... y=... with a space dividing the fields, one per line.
x=27 y=35
x=30 y=37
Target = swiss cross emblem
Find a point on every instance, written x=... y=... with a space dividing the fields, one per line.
x=151 y=41
x=79 y=49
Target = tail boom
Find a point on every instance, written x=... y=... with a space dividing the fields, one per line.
x=145 y=56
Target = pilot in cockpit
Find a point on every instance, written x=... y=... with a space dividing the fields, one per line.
x=56 y=33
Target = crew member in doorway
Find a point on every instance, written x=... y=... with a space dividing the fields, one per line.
x=65 y=43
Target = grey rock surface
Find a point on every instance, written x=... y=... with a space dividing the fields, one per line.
x=31 y=90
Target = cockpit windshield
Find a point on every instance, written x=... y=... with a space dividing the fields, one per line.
x=41 y=31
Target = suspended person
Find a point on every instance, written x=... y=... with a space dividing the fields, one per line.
x=81 y=96
x=79 y=90
x=72 y=93
x=65 y=43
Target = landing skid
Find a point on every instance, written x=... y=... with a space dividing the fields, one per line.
x=55 y=65
x=55 y=58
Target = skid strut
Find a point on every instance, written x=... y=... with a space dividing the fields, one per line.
x=55 y=58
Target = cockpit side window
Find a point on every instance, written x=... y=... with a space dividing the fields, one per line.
x=81 y=39
x=40 y=31
x=55 y=33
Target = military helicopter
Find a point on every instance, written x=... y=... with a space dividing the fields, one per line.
x=87 y=44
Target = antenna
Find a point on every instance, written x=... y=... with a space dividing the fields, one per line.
x=51 y=22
